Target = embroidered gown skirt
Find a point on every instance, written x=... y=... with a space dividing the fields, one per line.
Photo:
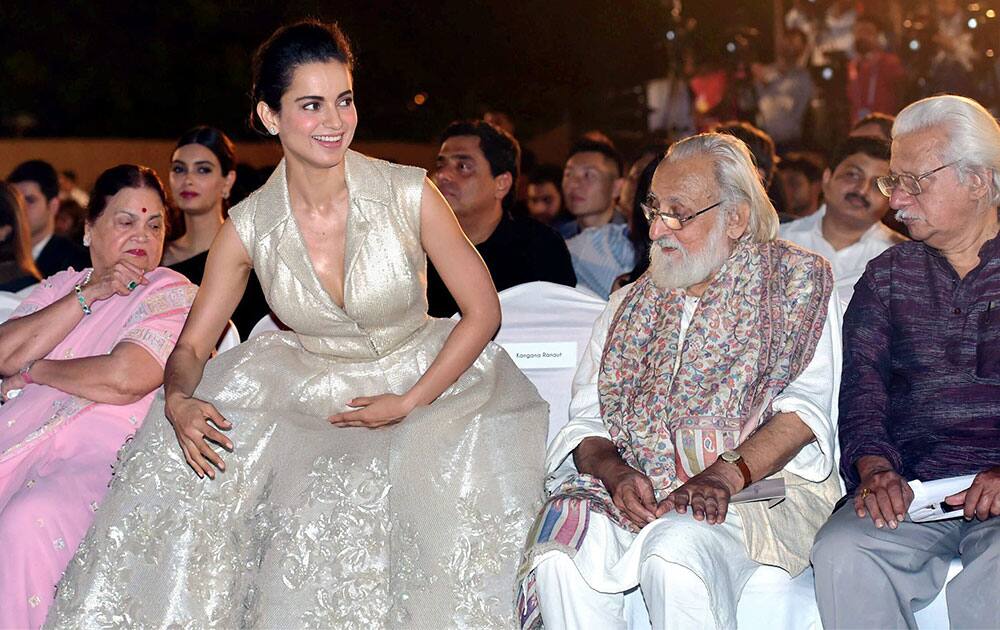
x=417 y=525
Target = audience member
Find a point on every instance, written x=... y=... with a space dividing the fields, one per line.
x=920 y=397
x=951 y=67
x=847 y=229
x=626 y=198
x=875 y=124
x=591 y=182
x=802 y=180
x=39 y=185
x=598 y=239
x=70 y=191
x=639 y=225
x=70 y=221
x=202 y=174
x=82 y=359
x=545 y=203
x=836 y=33
x=639 y=453
x=874 y=76
x=17 y=269
x=476 y=171
x=784 y=92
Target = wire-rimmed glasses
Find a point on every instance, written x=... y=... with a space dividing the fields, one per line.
x=909 y=183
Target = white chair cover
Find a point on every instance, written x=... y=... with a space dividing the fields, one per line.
x=546 y=328
x=266 y=324
x=229 y=340
x=8 y=303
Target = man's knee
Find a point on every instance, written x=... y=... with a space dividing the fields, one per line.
x=555 y=570
x=841 y=536
x=662 y=576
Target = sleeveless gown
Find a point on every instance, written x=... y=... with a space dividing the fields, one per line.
x=418 y=525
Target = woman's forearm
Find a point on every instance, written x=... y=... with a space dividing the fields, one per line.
x=462 y=347
x=103 y=379
x=183 y=371
x=33 y=336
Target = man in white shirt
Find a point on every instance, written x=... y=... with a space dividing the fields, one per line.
x=847 y=230
x=716 y=369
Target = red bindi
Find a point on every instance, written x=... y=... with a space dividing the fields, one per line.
x=144 y=211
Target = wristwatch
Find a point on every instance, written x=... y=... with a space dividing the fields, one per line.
x=732 y=457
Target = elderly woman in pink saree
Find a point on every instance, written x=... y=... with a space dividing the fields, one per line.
x=81 y=357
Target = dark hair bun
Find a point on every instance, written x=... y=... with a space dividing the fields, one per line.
x=289 y=47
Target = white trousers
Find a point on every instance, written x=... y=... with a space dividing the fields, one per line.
x=690 y=575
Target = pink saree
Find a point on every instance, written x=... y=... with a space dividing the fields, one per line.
x=57 y=450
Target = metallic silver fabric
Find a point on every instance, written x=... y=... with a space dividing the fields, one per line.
x=413 y=526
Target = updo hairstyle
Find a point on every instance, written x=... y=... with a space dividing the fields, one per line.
x=289 y=47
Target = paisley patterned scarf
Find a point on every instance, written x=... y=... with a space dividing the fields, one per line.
x=673 y=404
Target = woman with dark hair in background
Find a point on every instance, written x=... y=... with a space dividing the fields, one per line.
x=372 y=467
x=638 y=227
x=81 y=358
x=202 y=174
x=17 y=268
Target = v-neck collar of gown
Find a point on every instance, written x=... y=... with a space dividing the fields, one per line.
x=365 y=187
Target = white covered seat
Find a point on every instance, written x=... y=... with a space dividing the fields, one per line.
x=230 y=338
x=545 y=329
x=8 y=303
x=267 y=323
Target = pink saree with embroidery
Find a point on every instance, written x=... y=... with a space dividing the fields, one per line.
x=57 y=449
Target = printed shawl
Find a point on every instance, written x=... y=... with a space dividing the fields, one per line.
x=673 y=404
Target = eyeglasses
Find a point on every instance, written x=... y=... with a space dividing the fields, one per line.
x=909 y=183
x=651 y=209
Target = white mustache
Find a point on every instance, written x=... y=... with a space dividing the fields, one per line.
x=903 y=215
x=672 y=243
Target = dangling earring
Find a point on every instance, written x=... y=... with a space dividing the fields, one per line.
x=86 y=240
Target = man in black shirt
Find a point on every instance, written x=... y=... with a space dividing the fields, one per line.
x=476 y=172
x=39 y=185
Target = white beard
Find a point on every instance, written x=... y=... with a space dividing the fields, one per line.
x=691 y=269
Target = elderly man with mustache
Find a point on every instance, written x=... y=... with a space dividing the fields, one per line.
x=847 y=229
x=716 y=369
x=921 y=390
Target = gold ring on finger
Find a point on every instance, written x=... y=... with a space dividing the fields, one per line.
x=865 y=492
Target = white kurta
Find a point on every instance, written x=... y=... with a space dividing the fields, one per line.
x=848 y=263
x=611 y=559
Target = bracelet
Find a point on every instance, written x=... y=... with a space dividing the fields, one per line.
x=26 y=373
x=79 y=293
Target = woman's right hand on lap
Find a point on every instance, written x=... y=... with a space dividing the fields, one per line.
x=190 y=420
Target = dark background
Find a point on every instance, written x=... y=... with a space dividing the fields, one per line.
x=136 y=69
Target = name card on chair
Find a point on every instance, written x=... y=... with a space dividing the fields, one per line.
x=541 y=355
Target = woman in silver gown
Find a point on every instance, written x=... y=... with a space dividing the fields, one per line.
x=372 y=467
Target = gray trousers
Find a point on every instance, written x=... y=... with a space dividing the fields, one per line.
x=876 y=578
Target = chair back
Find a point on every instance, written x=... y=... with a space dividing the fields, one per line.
x=8 y=303
x=230 y=339
x=545 y=329
x=266 y=324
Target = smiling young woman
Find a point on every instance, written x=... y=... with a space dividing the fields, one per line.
x=372 y=467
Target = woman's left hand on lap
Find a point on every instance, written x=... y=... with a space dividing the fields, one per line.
x=375 y=411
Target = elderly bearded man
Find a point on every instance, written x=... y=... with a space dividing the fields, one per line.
x=728 y=348
x=921 y=391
